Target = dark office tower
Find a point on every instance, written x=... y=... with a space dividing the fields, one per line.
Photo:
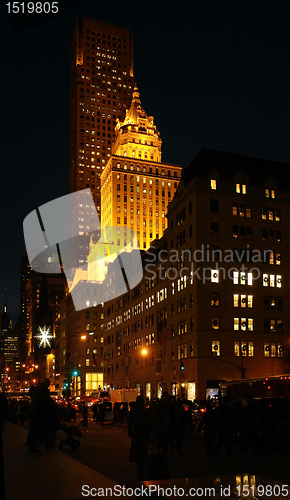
x=102 y=82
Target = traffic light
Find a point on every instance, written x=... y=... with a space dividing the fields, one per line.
x=181 y=365
x=66 y=383
x=75 y=372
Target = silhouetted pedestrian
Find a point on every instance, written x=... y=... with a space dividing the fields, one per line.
x=139 y=431
x=4 y=408
x=223 y=417
x=247 y=425
x=163 y=423
x=40 y=414
x=208 y=425
x=176 y=425
x=84 y=421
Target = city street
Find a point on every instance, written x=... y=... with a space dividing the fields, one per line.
x=106 y=450
x=102 y=462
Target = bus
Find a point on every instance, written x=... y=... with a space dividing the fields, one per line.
x=276 y=386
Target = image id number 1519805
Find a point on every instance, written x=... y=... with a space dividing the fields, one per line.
x=263 y=490
x=32 y=7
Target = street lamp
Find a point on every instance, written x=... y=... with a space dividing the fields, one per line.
x=83 y=337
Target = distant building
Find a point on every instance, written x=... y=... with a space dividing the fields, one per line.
x=102 y=82
x=44 y=294
x=6 y=325
x=83 y=356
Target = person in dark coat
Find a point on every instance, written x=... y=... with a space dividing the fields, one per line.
x=102 y=410
x=139 y=431
x=223 y=416
x=85 y=412
x=4 y=408
x=163 y=422
x=176 y=425
x=40 y=415
x=208 y=425
x=247 y=425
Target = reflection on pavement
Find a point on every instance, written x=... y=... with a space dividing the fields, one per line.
x=230 y=486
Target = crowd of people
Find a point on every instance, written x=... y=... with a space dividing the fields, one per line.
x=219 y=424
x=158 y=425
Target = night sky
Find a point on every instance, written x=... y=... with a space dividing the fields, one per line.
x=212 y=73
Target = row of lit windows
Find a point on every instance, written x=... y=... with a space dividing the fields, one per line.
x=132 y=211
x=144 y=180
x=151 y=170
x=243 y=232
x=241 y=188
x=247 y=301
x=247 y=324
x=133 y=199
x=272 y=280
x=139 y=190
x=270 y=349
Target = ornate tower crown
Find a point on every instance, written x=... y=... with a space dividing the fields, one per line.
x=137 y=136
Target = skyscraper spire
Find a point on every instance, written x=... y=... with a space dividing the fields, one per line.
x=5 y=303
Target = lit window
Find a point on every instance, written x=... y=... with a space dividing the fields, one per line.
x=265 y=280
x=243 y=324
x=243 y=278
x=236 y=348
x=215 y=299
x=243 y=301
x=280 y=350
x=278 y=281
x=273 y=350
x=244 y=350
x=215 y=323
x=213 y=184
x=236 y=323
x=251 y=349
x=266 y=349
x=235 y=278
x=241 y=188
x=216 y=348
x=214 y=276
x=236 y=300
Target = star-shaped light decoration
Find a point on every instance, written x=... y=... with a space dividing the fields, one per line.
x=44 y=336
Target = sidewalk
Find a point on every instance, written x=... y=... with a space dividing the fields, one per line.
x=47 y=475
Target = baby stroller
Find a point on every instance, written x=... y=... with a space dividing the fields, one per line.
x=70 y=431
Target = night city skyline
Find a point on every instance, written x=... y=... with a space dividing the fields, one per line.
x=212 y=74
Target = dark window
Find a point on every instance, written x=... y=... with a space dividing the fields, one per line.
x=214 y=206
x=214 y=229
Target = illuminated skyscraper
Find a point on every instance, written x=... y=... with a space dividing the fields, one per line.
x=102 y=83
x=136 y=186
